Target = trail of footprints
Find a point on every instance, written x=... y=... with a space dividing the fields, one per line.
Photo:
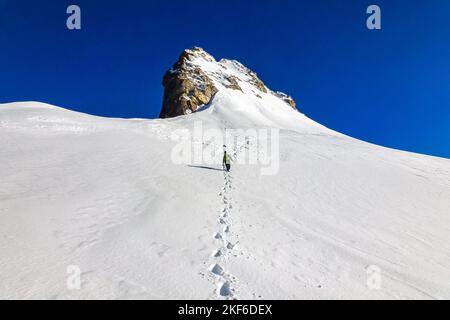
x=227 y=242
x=224 y=281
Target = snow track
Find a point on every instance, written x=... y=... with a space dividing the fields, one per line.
x=225 y=283
x=103 y=195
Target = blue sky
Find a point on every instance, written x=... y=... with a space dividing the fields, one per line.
x=390 y=86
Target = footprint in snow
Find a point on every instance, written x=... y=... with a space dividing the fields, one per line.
x=216 y=269
x=216 y=253
x=224 y=289
x=230 y=245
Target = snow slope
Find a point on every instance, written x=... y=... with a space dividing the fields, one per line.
x=103 y=194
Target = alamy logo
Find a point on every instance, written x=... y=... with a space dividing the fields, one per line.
x=373 y=281
x=74 y=279
x=246 y=146
x=374 y=20
x=74 y=20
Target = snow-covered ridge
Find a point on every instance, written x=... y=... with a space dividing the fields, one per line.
x=102 y=195
x=197 y=77
x=232 y=74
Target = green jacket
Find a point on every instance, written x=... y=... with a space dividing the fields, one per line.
x=226 y=159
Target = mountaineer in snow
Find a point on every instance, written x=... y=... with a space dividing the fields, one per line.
x=226 y=162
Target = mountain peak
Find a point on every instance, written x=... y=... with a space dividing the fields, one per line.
x=197 y=76
x=197 y=52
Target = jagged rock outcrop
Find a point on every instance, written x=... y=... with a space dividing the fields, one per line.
x=186 y=86
x=196 y=77
x=286 y=98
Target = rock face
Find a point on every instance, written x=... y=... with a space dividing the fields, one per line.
x=186 y=86
x=286 y=98
x=190 y=83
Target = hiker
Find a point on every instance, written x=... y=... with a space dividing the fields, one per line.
x=226 y=160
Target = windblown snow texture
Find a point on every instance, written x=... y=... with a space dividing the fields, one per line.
x=102 y=194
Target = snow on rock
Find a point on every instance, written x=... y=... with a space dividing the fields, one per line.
x=196 y=77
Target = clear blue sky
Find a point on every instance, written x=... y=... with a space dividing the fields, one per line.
x=389 y=87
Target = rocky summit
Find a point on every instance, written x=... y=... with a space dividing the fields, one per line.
x=196 y=77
